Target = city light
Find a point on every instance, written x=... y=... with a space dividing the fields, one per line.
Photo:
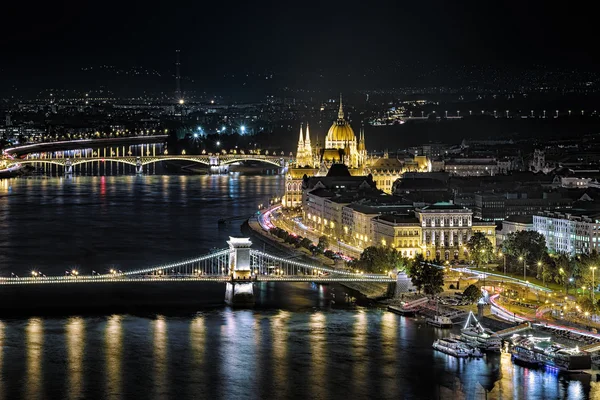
x=243 y=129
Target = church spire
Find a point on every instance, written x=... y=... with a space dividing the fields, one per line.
x=341 y=110
x=301 y=139
x=307 y=140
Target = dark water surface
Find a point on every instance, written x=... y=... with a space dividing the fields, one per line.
x=302 y=341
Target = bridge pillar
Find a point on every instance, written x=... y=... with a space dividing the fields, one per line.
x=214 y=164
x=240 y=290
x=139 y=168
x=68 y=167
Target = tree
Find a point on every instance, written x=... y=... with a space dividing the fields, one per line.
x=426 y=276
x=529 y=245
x=472 y=293
x=305 y=242
x=381 y=259
x=414 y=271
x=586 y=270
x=433 y=279
x=323 y=244
x=480 y=248
x=329 y=254
x=565 y=269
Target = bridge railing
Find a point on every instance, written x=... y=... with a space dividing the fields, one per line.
x=216 y=265
x=266 y=263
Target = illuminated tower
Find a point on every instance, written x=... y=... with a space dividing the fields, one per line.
x=304 y=155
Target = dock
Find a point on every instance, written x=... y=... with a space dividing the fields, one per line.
x=514 y=329
x=402 y=311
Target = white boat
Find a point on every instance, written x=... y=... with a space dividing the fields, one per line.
x=439 y=321
x=456 y=348
x=477 y=335
x=542 y=351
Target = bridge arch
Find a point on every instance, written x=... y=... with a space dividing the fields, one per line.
x=276 y=161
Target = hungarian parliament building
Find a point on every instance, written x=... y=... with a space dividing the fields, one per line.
x=343 y=147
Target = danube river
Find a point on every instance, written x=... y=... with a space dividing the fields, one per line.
x=301 y=341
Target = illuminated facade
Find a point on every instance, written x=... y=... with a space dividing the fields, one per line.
x=440 y=230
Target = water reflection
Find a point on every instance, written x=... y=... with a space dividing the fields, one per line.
x=318 y=348
x=2 y=388
x=389 y=337
x=198 y=345
x=34 y=341
x=75 y=331
x=359 y=350
x=226 y=353
x=161 y=367
x=114 y=356
x=280 y=334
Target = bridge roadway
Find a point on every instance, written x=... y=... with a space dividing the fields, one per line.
x=185 y=278
x=214 y=160
x=84 y=143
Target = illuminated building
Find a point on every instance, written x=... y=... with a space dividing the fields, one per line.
x=440 y=230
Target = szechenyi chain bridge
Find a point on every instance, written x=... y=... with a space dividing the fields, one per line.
x=238 y=266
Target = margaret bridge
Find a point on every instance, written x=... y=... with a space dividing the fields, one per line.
x=215 y=162
x=48 y=154
x=238 y=266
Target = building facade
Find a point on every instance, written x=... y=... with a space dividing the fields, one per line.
x=568 y=233
x=441 y=230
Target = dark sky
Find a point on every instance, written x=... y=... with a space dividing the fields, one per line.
x=50 y=41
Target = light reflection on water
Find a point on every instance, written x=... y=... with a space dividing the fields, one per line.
x=114 y=356
x=223 y=354
x=34 y=342
x=75 y=335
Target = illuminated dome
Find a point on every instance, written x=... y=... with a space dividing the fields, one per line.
x=341 y=131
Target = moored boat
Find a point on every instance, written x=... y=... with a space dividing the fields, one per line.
x=439 y=321
x=543 y=351
x=474 y=333
x=456 y=348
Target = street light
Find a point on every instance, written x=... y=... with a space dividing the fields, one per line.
x=521 y=258
x=593 y=282
x=503 y=256
x=543 y=277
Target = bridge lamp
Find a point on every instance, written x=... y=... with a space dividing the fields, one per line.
x=75 y=272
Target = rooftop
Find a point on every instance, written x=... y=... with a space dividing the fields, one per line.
x=443 y=205
x=408 y=218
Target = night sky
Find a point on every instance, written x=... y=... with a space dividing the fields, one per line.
x=48 y=43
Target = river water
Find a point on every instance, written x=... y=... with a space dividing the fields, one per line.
x=301 y=341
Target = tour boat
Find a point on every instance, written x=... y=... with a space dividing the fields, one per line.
x=455 y=348
x=474 y=333
x=542 y=351
x=439 y=321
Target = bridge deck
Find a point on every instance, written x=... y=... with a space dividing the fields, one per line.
x=175 y=278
